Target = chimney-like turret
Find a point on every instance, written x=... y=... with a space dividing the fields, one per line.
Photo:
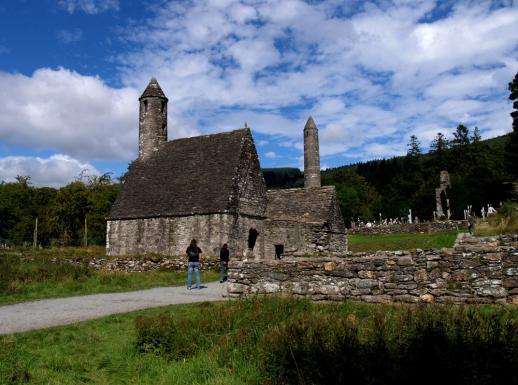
x=311 y=155
x=152 y=119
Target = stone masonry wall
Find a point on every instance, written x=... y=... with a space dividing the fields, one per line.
x=423 y=227
x=167 y=235
x=171 y=235
x=146 y=263
x=301 y=238
x=476 y=270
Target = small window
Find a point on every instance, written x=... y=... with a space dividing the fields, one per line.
x=162 y=106
x=145 y=105
x=279 y=251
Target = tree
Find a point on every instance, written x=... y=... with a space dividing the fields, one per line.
x=438 y=150
x=355 y=196
x=511 y=150
x=414 y=147
x=440 y=143
x=68 y=212
x=460 y=136
x=24 y=180
x=476 y=138
x=513 y=88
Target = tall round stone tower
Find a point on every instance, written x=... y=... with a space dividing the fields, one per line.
x=311 y=155
x=152 y=119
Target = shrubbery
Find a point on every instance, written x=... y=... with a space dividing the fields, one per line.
x=297 y=342
x=505 y=221
x=425 y=345
x=17 y=271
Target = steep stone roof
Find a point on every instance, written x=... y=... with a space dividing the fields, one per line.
x=187 y=176
x=153 y=90
x=315 y=204
x=310 y=124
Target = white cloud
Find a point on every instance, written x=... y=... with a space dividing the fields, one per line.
x=55 y=171
x=271 y=155
x=69 y=113
x=69 y=36
x=370 y=79
x=381 y=72
x=91 y=7
x=384 y=150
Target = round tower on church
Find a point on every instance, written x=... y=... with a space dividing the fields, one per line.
x=311 y=155
x=152 y=119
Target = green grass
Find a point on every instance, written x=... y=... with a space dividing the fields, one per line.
x=271 y=341
x=404 y=241
x=31 y=276
x=98 y=282
x=505 y=221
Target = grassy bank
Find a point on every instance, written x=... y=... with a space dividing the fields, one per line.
x=403 y=241
x=44 y=274
x=505 y=221
x=273 y=341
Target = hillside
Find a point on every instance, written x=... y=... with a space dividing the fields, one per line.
x=393 y=186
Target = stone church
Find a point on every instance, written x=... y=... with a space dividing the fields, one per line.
x=211 y=188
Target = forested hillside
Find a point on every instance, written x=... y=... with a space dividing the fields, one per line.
x=479 y=170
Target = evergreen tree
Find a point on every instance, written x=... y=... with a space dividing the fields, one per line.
x=440 y=143
x=414 y=147
x=513 y=88
x=511 y=150
x=460 y=136
x=476 y=138
x=439 y=155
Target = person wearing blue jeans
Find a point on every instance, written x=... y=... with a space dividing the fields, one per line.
x=194 y=255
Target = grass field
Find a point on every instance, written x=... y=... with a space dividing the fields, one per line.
x=406 y=241
x=44 y=274
x=272 y=341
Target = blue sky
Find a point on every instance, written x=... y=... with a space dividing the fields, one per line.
x=370 y=73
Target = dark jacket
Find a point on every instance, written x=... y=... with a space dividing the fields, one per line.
x=224 y=255
x=193 y=252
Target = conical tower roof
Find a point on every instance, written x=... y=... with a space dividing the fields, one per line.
x=310 y=124
x=153 y=90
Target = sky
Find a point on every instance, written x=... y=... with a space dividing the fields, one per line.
x=371 y=74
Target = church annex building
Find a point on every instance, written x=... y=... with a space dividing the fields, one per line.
x=211 y=188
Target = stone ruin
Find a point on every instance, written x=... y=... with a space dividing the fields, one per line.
x=442 y=201
x=211 y=188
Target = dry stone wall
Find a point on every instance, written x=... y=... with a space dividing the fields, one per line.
x=148 y=263
x=476 y=270
x=423 y=227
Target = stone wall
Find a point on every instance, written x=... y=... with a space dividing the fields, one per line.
x=147 y=263
x=171 y=235
x=301 y=238
x=476 y=270
x=423 y=227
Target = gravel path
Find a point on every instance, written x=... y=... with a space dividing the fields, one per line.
x=61 y=311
